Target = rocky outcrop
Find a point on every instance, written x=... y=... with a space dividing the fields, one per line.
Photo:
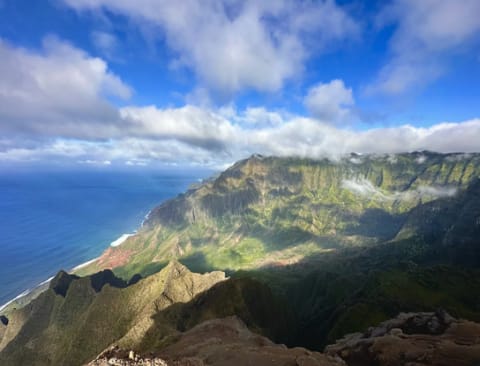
x=416 y=339
x=248 y=299
x=61 y=282
x=179 y=286
x=3 y=326
x=220 y=342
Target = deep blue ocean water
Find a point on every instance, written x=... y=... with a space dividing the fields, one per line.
x=58 y=220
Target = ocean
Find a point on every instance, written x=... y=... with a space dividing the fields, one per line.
x=61 y=219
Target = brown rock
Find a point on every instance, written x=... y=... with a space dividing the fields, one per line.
x=223 y=342
x=414 y=339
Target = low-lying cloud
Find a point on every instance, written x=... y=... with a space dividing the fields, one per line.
x=364 y=188
x=191 y=135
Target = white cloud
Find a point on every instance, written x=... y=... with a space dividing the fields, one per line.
x=259 y=116
x=421 y=159
x=254 y=117
x=425 y=31
x=137 y=162
x=459 y=157
x=59 y=91
x=364 y=188
x=437 y=191
x=95 y=162
x=105 y=42
x=233 y=45
x=330 y=102
x=188 y=124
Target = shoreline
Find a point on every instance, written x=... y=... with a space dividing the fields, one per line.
x=121 y=239
x=80 y=266
x=117 y=242
x=23 y=294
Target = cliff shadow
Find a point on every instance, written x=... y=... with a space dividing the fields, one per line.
x=376 y=223
x=252 y=301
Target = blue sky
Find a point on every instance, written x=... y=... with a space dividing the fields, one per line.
x=156 y=82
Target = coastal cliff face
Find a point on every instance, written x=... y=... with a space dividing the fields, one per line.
x=265 y=185
x=315 y=250
x=279 y=211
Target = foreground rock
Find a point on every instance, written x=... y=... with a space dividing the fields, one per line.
x=414 y=339
x=220 y=342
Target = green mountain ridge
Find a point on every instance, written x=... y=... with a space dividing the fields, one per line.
x=72 y=323
x=73 y=328
x=277 y=211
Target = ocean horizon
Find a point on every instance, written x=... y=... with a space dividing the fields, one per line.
x=53 y=220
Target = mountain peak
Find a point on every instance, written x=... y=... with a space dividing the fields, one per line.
x=61 y=282
x=256 y=157
x=175 y=269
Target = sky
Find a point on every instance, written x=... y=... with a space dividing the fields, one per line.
x=145 y=83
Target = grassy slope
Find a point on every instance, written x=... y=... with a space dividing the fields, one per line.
x=72 y=329
x=387 y=293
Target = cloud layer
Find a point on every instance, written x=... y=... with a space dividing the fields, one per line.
x=192 y=135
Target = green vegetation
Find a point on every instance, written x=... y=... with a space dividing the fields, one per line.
x=71 y=326
x=385 y=294
x=249 y=299
x=279 y=219
x=265 y=211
